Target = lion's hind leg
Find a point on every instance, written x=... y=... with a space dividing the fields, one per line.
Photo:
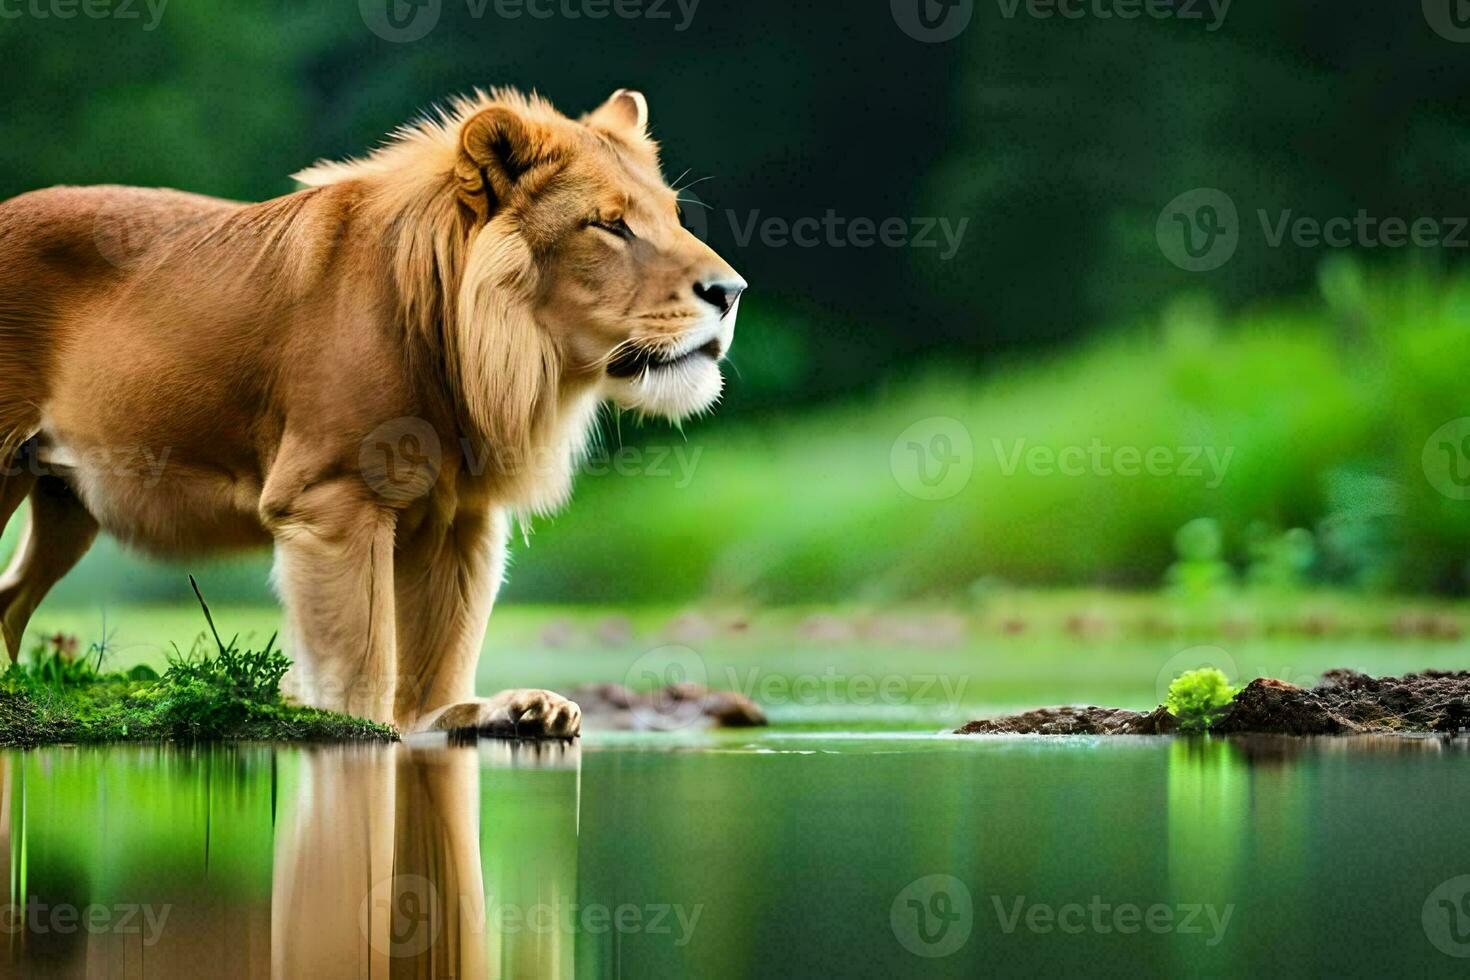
x=17 y=476
x=58 y=534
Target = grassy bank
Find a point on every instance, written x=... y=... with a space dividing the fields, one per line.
x=65 y=692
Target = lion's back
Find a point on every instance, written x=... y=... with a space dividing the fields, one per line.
x=70 y=235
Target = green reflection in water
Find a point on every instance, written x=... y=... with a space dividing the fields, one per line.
x=1209 y=815
x=752 y=854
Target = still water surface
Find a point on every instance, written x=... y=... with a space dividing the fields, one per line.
x=740 y=855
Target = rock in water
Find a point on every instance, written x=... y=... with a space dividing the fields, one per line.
x=678 y=706
x=1072 y=720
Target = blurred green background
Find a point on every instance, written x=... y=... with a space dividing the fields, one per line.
x=1047 y=401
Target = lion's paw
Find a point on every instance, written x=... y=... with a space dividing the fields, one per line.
x=511 y=714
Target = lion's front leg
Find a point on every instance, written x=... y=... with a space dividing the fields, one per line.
x=334 y=568
x=447 y=577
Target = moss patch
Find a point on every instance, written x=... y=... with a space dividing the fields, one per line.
x=146 y=712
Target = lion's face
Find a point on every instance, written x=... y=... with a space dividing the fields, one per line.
x=634 y=302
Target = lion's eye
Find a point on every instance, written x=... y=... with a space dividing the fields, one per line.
x=618 y=227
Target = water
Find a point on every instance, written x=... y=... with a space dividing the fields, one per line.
x=740 y=855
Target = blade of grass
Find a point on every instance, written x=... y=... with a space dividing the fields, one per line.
x=207 y=617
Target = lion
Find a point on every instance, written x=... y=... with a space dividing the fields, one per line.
x=377 y=375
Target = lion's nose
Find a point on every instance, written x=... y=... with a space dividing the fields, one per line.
x=720 y=293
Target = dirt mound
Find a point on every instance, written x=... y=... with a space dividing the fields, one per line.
x=1344 y=702
x=1072 y=720
x=1347 y=701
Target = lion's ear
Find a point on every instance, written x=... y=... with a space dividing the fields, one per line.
x=625 y=111
x=496 y=148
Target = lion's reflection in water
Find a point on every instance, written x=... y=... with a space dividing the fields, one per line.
x=433 y=862
x=412 y=860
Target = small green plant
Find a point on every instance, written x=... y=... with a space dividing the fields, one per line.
x=253 y=675
x=1197 y=697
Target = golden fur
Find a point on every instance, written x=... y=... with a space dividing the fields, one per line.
x=373 y=373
